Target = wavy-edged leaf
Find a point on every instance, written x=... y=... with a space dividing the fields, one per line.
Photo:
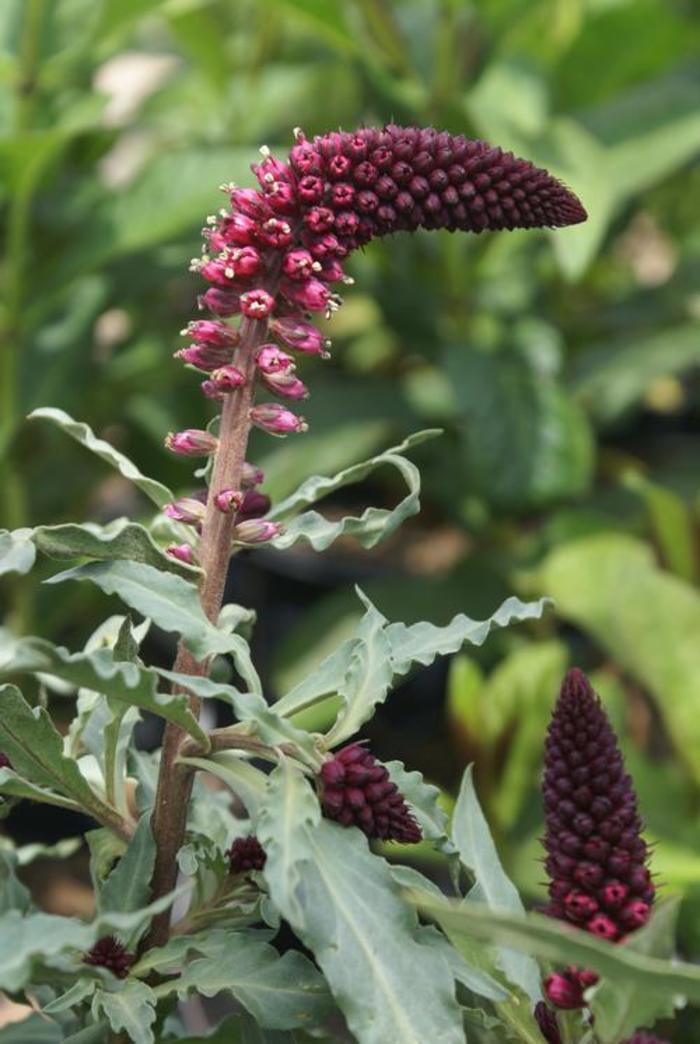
x=477 y=852
x=393 y=985
x=281 y=992
x=17 y=551
x=119 y=539
x=130 y=1007
x=83 y=434
x=423 y=798
x=98 y=670
x=12 y=785
x=369 y=528
x=172 y=603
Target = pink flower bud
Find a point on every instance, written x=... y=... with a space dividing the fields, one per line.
x=257 y=304
x=256 y=531
x=221 y=302
x=251 y=476
x=254 y=505
x=232 y=230
x=187 y=509
x=564 y=991
x=211 y=391
x=297 y=333
x=182 y=552
x=271 y=359
x=227 y=378
x=192 y=442
x=250 y=202
x=311 y=294
x=204 y=356
x=275 y=233
x=211 y=332
x=285 y=383
x=229 y=500
x=281 y=197
x=298 y=264
x=246 y=261
x=270 y=169
x=276 y=419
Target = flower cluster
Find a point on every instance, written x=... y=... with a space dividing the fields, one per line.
x=596 y=857
x=356 y=790
x=274 y=256
x=109 y=952
x=245 y=854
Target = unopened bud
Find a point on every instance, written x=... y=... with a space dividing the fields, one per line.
x=229 y=500
x=187 y=509
x=255 y=505
x=301 y=335
x=183 y=553
x=271 y=359
x=257 y=304
x=286 y=384
x=251 y=476
x=276 y=419
x=227 y=378
x=256 y=531
x=193 y=442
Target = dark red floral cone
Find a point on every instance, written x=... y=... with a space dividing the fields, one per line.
x=596 y=856
x=246 y=854
x=109 y=952
x=356 y=791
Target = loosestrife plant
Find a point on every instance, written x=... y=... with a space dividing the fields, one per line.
x=203 y=850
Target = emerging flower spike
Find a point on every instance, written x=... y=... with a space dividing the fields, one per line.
x=109 y=952
x=596 y=857
x=356 y=791
x=246 y=854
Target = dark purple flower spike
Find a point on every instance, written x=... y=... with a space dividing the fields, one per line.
x=109 y=952
x=246 y=854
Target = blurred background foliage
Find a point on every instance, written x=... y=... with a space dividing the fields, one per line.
x=563 y=368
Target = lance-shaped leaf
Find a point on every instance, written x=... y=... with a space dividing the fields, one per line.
x=83 y=434
x=120 y=539
x=129 y=1007
x=172 y=603
x=362 y=669
x=17 y=552
x=280 y=992
x=128 y=886
x=14 y=786
x=98 y=670
x=35 y=749
x=477 y=852
x=342 y=901
x=369 y=528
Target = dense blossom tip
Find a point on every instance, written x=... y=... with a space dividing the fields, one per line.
x=246 y=854
x=109 y=952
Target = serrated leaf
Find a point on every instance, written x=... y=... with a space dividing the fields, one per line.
x=392 y=985
x=35 y=748
x=559 y=942
x=172 y=603
x=369 y=528
x=477 y=852
x=279 y=992
x=423 y=798
x=127 y=682
x=130 y=1008
x=17 y=551
x=290 y=809
x=120 y=539
x=36 y=936
x=83 y=434
x=128 y=886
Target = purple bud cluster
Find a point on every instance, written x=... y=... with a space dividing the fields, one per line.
x=246 y=854
x=5 y=761
x=109 y=952
x=356 y=790
x=596 y=856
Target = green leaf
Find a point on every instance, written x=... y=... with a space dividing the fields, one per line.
x=609 y=585
x=671 y=522
x=622 y=1007
x=130 y=1008
x=80 y=990
x=373 y=525
x=13 y=894
x=471 y=835
x=279 y=992
x=33 y=1030
x=12 y=785
x=119 y=539
x=247 y=782
x=96 y=1033
x=128 y=886
x=335 y=894
x=17 y=552
x=171 y=602
x=124 y=682
x=558 y=942
x=423 y=798
x=526 y=443
x=26 y=940
x=154 y=490
x=35 y=748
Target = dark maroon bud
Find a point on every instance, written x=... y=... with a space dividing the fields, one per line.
x=255 y=505
x=5 y=761
x=109 y=952
x=356 y=790
x=246 y=854
x=546 y=1019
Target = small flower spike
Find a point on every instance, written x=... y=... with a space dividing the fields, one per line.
x=246 y=854
x=109 y=952
x=356 y=791
x=596 y=856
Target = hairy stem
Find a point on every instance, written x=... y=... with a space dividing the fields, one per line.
x=175 y=781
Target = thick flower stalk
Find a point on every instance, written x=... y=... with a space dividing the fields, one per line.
x=596 y=856
x=273 y=260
